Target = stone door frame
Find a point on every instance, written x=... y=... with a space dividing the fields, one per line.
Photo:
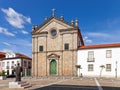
x=50 y=58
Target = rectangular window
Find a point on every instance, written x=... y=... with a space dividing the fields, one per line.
x=90 y=56
x=90 y=67
x=40 y=48
x=108 y=53
x=3 y=64
x=29 y=65
x=25 y=63
x=66 y=46
x=108 y=67
x=12 y=67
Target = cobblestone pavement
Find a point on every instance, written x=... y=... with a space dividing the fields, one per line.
x=43 y=82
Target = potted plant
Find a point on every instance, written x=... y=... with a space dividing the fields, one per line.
x=2 y=75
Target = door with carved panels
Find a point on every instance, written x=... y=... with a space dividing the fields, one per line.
x=53 y=67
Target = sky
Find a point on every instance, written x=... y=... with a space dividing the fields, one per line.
x=99 y=21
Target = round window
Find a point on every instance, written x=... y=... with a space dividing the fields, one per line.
x=53 y=32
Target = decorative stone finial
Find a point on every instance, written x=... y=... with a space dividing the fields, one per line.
x=53 y=12
x=33 y=28
x=72 y=21
x=46 y=18
x=61 y=17
x=36 y=26
x=76 y=22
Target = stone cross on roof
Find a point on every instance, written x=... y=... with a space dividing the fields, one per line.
x=53 y=12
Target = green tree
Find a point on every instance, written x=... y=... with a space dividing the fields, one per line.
x=2 y=73
x=102 y=67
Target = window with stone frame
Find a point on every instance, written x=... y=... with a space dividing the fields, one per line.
x=90 y=56
x=12 y=67
x=108 y=53
x=41 y=48
x=25 y=63
x=66 y=46
x=90 y=67
x=3 y=64
x=7 y=67
x=29 y=64
x=108 y=67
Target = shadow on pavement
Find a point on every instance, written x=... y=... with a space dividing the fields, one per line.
x=75 y=87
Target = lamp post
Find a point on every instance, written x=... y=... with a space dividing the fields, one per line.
x=116 y=70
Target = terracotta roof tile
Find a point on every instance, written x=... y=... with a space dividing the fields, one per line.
x=2 y=55
x=23 y=56
x=99 y=46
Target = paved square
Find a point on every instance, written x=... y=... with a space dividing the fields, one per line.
x=57 y=83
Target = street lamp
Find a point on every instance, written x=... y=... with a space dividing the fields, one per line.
x=116 y=69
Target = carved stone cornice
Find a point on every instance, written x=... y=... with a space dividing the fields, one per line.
x=53 y=56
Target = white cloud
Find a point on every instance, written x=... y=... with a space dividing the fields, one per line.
x=21 y=42
x=5 y=43
x=98 y=34
x=87 y=40
x=15 y=32
x=6 y=32
x=21 y=45
x=16 y=19
x=7 y=50
x=24 y=32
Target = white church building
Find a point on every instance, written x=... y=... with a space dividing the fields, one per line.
x=101 y=60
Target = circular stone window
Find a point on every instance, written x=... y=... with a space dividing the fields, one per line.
x=53 y=32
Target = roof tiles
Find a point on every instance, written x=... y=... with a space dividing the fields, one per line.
x=99 y=46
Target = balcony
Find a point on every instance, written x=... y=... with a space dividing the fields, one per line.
x=90 y=59
x=7 y=67
x=12 y=67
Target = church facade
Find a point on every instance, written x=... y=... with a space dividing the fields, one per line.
x=58 y=50
x=54 y=47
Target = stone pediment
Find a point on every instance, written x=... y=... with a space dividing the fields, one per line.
x=53 y=56
x=52 y=22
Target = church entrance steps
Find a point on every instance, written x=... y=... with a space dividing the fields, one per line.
x=52 y=78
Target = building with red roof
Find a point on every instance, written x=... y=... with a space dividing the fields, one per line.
x=101 y=60
x=8 y=60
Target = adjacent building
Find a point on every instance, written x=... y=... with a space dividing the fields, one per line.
x=11 y=59
x=2 y=55
x=101 y=60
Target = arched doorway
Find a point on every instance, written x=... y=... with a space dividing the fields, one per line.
x=53 y=67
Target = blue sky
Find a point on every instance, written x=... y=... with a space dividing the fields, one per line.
x=99 y=20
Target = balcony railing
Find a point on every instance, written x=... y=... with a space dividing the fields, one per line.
x=90 y=59
x=12 y=67
x=7 y=67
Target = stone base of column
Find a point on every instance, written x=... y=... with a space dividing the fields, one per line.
x=22 y=84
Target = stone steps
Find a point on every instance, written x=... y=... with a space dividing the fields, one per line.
x=22 y=85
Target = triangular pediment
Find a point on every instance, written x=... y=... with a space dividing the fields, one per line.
x=53 y=22
x=53 y=56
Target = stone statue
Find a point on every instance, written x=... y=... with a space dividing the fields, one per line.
x=18 y=70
